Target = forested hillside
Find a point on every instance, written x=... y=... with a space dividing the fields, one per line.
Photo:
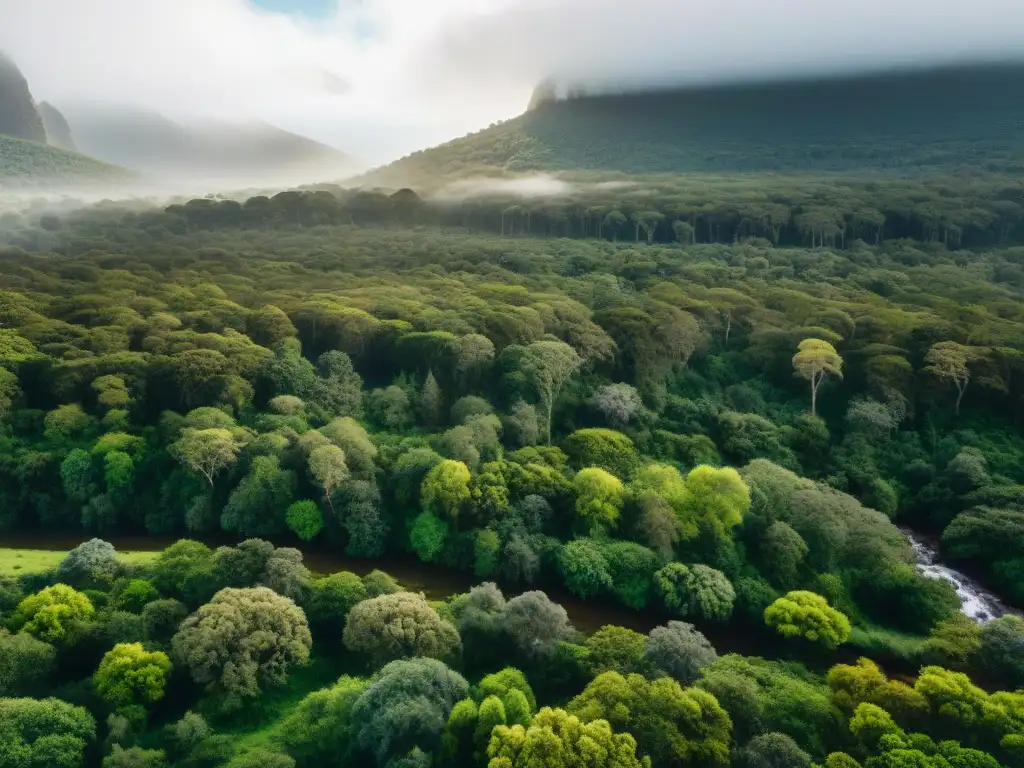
x=709 y=417
x=31 y=163
x=968 y=118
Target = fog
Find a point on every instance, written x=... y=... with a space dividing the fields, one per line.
x=380 y=78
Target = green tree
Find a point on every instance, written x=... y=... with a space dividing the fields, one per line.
x=599 y=498
x=584 y=568
x=405 y=708
x=402 y=625
x=317 y=731
x=616 y=649
x=207 y=451
x=258 y=504
x=557 y=739
x=134 y=757
x=719 y=496
x=130 y=675
x=549 y=365
x=948 y=362
x=697 y=591
x=428 y=535
x=445 y=489
x=27 y=665
x=44 y=732
x=304 y=519
x=54 y=615
x=242 y=641
x=807 y=615
x=815 y=359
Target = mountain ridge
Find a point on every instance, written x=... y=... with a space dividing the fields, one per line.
x=902 y=121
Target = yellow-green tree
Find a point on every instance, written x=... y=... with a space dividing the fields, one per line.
x=807 y=615
x=129 y=674
x=814 y=360
x=947 y=361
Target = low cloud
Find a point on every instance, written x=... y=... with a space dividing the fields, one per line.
x=379 y=78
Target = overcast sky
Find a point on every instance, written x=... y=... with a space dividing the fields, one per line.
x=380 y=78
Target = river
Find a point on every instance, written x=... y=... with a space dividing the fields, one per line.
x=437 y=583
x=975 y=601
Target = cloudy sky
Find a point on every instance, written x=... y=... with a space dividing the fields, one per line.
x=380 y=78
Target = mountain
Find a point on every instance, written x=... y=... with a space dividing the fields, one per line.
x=58 y=132
x=33 y=163
x=908 y=121
x=158 y=146
x=18 y=115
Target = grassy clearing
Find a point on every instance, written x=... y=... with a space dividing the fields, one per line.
x=878 y=642
x=18 y=562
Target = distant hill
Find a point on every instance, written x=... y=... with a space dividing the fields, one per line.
x=30 y=162
x=906 y=122
x=155 y=145
x=18 y=115
x=58 y=132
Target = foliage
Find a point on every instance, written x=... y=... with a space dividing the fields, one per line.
x=696 y=591
x=400 y=626
x=42 y=732
x=678 y=650
x=54 y=614
x=242 y=641
x=807 y=615
x=130 y=675
x=560 y=740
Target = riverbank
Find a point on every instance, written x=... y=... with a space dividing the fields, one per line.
x=891 y=650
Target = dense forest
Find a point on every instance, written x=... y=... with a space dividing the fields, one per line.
x=708 y=404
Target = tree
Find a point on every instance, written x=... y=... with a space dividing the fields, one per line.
x=616 y=649
x=206 y=451
x=782 y=551
x=584 y=569
x=242 y=641
x=54 y=615
x=1002 y=641
x=135 y=595
x=672 y=725
x=948 y=362
x=618 y=403
x=65 y=422
x=428 y=535
x=807 y=615
x=134 y=757
x=402 y=625
x=431 y=402
x=27 y=665
x=814 y=359
x=534 y=624
x=405 y=707
x=603 y=448
x=697 y=591
x=91 y=560
x=258 y=504
x=679 y=650
x=130 y=675
x=549 y=365
x=327 y=466
x=772 y=750
x=718 y=496
x=445 y=489
x=556 y=739
x=599 y=498
x=44 y=732
x=304 y=519
x=317 y=731
x=331 y=598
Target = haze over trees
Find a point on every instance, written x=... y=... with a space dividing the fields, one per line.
x=578 y=421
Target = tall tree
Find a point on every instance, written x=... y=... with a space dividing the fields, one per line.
x=948 y=361
x=549 y=365
x=815 y=359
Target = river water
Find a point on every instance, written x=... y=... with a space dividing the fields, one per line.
x=975 y=601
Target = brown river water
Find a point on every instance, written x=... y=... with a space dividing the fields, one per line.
x=438 y=582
